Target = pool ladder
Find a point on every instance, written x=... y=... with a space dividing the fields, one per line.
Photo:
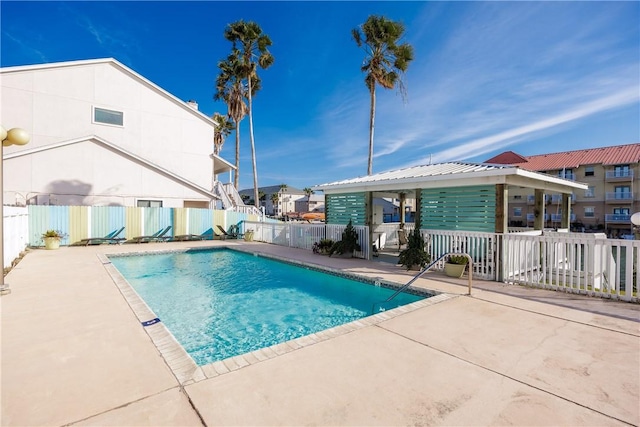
x=417 y=276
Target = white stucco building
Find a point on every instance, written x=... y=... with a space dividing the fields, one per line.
x=101 y=134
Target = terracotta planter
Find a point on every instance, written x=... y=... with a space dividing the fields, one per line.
x=51 y=243
x=454 y=270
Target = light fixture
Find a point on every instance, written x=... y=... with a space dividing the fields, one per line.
x=15 y=136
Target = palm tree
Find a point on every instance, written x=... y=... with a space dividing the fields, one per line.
x=223 y=130
x=230 y=89
x=275 y=198
x=385 y=61
x=308 y=192
x=251 y=46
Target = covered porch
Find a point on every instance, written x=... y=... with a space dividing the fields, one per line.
x=449 y=197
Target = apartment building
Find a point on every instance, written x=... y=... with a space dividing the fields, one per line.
x=613 y=196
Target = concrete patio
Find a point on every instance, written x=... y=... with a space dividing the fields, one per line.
x=74 y=353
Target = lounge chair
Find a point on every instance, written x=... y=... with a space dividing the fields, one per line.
x=110 y=238
x=207 y=235
x=231 y=234
x=155 y=237
x=402 y=238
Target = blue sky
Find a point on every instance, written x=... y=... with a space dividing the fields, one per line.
x=531 y=77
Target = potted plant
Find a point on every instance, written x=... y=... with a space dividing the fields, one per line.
x=455 y=265
x=349 y=243
x=323 y=247
x=52 y=239
x=414 y=257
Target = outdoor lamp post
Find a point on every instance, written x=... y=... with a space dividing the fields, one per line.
x=15 y=136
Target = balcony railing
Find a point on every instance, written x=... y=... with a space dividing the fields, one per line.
x=531 y=217
x=622 y=175
x=619 y=197
x=558 y=217
x=626 y=218
x=567 y=175
x=557 y=198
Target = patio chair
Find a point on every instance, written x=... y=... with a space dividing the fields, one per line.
x=231 y=234
x=207 y=235
x=402 y=238
x=155 y=237
x=110 y=238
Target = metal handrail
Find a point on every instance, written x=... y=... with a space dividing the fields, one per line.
x=417 y=276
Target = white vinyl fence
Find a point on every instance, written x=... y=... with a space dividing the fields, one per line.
x=303 y=236
x=484 y=249
x=573 y=262
x=15 y=232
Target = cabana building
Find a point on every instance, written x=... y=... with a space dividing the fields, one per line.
x=453 y=197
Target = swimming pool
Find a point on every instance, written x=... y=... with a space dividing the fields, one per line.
x=219 y=303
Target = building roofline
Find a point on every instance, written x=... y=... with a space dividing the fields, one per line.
x=117 y=64
x=100 y=141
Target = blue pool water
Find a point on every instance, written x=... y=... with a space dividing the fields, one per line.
x=221 y=303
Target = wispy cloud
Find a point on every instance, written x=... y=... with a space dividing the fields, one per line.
x=26 y=47
x=503 y=139
x=502 y=76
x=117 y=41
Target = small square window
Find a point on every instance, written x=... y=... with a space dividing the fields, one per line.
x=149 y=203
x=517 y=212
x=589 y=212
x=589 y=171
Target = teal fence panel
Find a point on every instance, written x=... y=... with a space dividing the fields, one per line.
x=200 y=221
x=43 y=218
x=106 y=219
x=158 y=219
x=459 y=208
x=342 y=208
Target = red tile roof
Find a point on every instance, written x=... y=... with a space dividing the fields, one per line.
x=615 y=155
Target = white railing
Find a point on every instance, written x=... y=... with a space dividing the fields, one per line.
x=484 y=249
x=231 y=199
x=303 y=236
x=15 y=233
x=220 y=191
x=573 y=262
x=233 y=194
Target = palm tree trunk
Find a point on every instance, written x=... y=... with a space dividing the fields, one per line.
x=237 y=172
x=372 y=118
x=253 y=150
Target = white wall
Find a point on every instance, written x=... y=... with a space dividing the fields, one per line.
x=56 y=104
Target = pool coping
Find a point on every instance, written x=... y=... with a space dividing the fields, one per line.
x=187 y=371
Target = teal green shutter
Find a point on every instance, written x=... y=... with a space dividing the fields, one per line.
x=459 y=208
x=342 y=208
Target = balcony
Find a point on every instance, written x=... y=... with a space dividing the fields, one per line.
x=557 y=198
x=558 y=217
x=617 y=218
x=531 y=218
x=616 y=197
x=547 y=199
x=619 y=176
x=567 y=175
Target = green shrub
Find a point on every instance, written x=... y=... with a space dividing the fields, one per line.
x=348 y=244
x=458 y=259
x=414 y=254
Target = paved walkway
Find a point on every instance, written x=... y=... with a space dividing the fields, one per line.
x=74 y=353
